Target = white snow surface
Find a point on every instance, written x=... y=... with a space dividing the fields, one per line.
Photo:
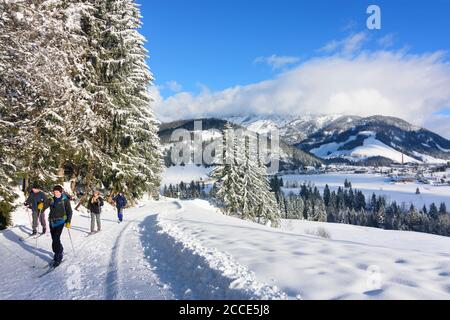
x=172 y=249
x=356 y=263
x=141 y=258
x=189 y=172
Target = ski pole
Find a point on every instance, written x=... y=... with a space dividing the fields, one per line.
x=37 y=238
x=71 y=242
x=29 y=218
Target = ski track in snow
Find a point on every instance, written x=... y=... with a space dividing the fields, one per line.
x=120 y=262
x=97 y=262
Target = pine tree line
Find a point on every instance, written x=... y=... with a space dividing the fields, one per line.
x=74 y=100
x=184 y=191
x=350 y=206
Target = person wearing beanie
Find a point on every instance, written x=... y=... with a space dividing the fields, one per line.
x=94 y=206
x=60 y=215
x=120 y=202
x=35 y=202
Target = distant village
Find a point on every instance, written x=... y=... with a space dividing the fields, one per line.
x=431 y=174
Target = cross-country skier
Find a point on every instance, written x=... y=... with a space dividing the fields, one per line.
x=60 y=215
x=35 y=201
x=120 y=202
x=95 y=208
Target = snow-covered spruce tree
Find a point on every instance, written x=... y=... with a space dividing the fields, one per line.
x=295 y=207
x=117 y=132
x=35 y=85
x=227 y=173
x=7 y=194
x=243 y=187
x=319 y=212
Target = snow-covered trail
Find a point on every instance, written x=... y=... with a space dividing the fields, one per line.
x=174 y=249
x=108 y=265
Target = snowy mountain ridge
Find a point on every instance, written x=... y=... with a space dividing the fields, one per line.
x=293 y=129
x=384 y=137
x=345 y=137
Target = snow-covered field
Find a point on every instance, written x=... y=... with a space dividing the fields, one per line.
x=378 y=184
x=356 y=263
x=173 y=249
x=187 y=173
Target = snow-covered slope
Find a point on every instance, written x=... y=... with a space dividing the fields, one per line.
x=188 y=250
x=356 y=263
x=377 y=137
x=190 y=172
x=290 y=157
x=371 y=147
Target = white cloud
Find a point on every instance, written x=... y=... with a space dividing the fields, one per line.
x=395 y=83
x=173 y=86
x=347 y=46
x=387 y=41
x=277 y=62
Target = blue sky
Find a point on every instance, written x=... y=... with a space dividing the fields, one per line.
x=199 y=46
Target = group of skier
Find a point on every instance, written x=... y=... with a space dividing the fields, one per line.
x=60 y=214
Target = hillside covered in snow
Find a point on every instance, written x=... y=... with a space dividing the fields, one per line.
x=353 y=138
x=174 y=249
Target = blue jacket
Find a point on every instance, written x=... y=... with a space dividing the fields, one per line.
x=120 y=201
x=34 y=198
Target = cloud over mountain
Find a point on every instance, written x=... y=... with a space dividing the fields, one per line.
x=350 y=80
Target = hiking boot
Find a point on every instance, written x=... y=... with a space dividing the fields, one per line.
x=34 y=233
x=44 y=231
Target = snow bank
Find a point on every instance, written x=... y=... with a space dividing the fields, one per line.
x=197 y=272
x=356 y=263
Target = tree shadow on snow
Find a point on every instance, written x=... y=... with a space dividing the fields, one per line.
x=158 y=259
x=29 y=246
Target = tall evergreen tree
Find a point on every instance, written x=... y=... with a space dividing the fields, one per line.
x=35 y=86
x=227 y=174
x=117 y=134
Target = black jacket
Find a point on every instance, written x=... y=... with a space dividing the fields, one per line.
x=95 y=207
x=59 y=209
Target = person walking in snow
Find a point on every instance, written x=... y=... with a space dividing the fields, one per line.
x=95 y=208
x=60 y=215
x=120 y=202
x=35 y=201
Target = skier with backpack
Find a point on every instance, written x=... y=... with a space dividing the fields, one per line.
x=95 y=208
x=60 y=215
x=120 y=202
x=35 y=202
